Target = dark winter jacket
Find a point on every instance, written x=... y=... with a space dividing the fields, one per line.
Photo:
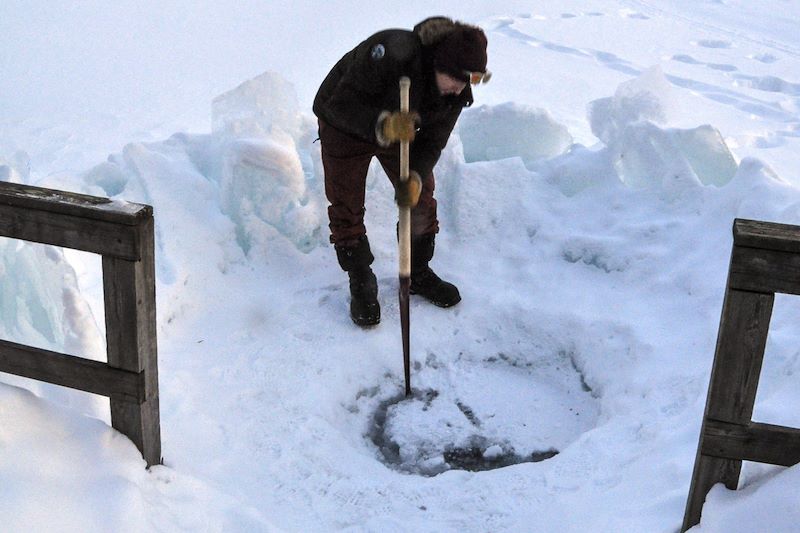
x=364 y=83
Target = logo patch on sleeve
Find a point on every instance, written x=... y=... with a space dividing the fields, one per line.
x=377 y=52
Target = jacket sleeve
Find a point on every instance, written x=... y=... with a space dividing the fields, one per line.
x=365 y=85
x=431 y=140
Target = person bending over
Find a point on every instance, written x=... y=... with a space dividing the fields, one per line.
x=357 y=107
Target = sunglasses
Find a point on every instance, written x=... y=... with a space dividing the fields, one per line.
x=478 y=77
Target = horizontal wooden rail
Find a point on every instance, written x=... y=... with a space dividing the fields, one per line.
x=70 y=371
x=70 y=220
x=73 y=204
x=762 y=443
x=766 y=235
x=766 y=271
x=104 y=238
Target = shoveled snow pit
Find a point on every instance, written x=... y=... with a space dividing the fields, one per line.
x=460 y=419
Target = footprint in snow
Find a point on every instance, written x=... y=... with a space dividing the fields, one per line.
x=712 y=43
x=772 y=84
x=627 y=13
x=684 y=58
x=689 y=60
x=498 y=23
x=723 y=67
x=764 y=58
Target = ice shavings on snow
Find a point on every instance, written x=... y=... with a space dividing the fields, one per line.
x=459 y=416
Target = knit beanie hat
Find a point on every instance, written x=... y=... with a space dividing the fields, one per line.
x=463 y=49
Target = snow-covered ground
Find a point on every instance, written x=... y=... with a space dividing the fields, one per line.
x=586 y=205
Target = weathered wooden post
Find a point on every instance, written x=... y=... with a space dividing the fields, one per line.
x=123 y=233
x=130 y=305
x=765 y=260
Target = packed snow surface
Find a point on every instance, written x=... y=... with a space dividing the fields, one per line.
x=586 y=204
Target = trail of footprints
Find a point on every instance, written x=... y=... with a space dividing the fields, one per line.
x=733 y=89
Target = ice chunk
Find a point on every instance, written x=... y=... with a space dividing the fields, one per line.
x=8 y=174
x=493 y=452
x=646 y=154
x=511 y=130
x=109 y=177
x=259 y=130
x=263 y=182
x=707 y=154
x=646 y=98
x=41 y=305
x=257 y=106
x=580 y=168
x=16 y=169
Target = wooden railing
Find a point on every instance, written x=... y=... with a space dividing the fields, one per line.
x=765 y=260
x=123 y=234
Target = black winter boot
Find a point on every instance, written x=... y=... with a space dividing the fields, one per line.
x=355 y=260
x=424 y=281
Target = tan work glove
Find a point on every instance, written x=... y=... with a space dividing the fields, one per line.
x=398 y=126
x=406 y=194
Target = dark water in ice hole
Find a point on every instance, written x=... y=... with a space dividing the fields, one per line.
x=456 y=458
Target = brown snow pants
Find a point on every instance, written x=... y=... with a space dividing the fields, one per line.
x=345 y=161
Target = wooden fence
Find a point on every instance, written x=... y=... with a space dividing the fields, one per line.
x=123 y=234
x=765 y=260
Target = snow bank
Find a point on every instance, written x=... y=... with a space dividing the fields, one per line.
x=742 y=510
x=64 y=472
x=256 y=168
x=89 y=454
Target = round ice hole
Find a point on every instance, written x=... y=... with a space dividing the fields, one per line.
x=484 y=415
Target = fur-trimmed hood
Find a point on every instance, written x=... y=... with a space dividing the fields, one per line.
x=456 y=47
x=433 y=30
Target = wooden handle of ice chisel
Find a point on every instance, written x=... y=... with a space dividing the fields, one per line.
x=404 y=229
